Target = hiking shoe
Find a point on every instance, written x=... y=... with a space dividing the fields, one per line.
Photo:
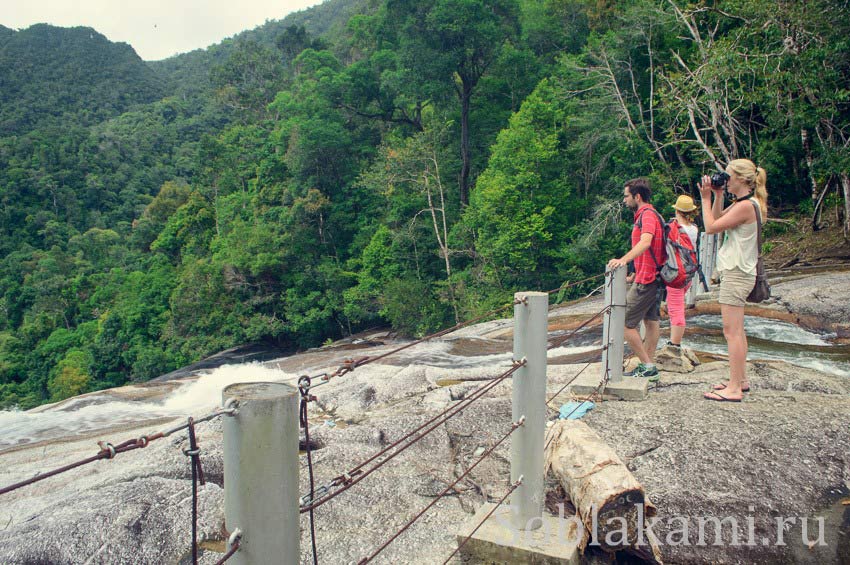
x=643 y=371
x=650 y=373
x=640 y=368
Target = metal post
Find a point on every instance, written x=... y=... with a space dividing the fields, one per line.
x=261 y=472
x=614 y=324
x=529 y=400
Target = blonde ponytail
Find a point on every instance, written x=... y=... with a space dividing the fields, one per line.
x=760 y=191
x=756 y=177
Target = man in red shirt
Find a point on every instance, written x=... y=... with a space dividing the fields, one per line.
x=643 y=300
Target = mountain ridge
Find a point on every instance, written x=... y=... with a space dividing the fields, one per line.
x=47 y=72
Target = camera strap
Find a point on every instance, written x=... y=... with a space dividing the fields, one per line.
x=740 y=198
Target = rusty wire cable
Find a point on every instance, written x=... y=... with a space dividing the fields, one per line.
x=558 y=342
x=197 y=477
x=304 y=389
x=109 y=451
x=356 y=474
x=351 y=364
x=487 y=517
x=574 y=283
x=233 y=542
x=569 y=382
x=514 y=426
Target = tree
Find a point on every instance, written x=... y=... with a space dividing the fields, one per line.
x=249 y=79
x=452 y=43
x=71 y=376
x=293 y=40
x=412 y=172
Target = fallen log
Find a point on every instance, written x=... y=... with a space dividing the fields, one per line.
x=610 y=502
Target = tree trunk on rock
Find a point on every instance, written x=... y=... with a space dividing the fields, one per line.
x=610 y=502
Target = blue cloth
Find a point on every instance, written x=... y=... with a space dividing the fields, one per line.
x=575 y=410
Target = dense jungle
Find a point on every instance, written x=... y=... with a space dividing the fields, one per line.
x=379 y=162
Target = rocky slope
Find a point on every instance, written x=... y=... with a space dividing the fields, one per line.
x=783 y=452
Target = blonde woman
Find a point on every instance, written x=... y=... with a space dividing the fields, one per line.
x=685 y=213
x=746 y=184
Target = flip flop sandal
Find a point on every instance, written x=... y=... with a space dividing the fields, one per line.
x=723 y=386
x=719 y=397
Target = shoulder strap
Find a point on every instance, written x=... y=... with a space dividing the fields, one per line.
x=758 y=222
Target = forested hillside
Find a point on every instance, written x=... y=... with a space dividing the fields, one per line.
x=96 y=79
x=377 y=161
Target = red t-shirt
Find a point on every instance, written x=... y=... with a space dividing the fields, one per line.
x=646 y=268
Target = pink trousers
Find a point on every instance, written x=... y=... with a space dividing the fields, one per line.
x=676 y=305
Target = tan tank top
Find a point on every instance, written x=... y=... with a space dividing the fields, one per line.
x=739 y=249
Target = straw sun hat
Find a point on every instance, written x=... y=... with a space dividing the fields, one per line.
x=684 y=204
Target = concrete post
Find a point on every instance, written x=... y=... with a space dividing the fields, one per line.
x=529 y=400
x=614 y=323
x=261 y=472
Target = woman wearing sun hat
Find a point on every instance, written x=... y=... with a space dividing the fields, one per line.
x=686 y=211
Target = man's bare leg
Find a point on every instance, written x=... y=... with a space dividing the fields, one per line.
x=653 y=330
x=632 y=337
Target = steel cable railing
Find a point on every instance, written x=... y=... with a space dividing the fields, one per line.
x=345 y=481
x=512 y=488
x=516 y=425
x=356 y=474
x=109 y=451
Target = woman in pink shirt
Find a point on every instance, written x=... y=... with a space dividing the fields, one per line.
x=686 y=211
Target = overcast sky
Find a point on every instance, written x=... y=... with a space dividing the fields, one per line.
x=155 y=28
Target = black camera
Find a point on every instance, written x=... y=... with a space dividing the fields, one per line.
x=719 y=179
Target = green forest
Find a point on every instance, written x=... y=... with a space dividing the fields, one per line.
x=407 y=163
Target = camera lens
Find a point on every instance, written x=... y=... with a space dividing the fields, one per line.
x=719 y=179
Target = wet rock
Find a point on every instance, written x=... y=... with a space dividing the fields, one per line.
x=775 y=454
x=135 y=508
x=819 y=299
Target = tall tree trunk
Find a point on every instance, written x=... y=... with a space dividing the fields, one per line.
x=816 y=188
x=465 y=96
x=818 y=207
x=845 y=188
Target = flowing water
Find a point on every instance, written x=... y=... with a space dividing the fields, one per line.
x=768 y=339
x=773 y=340
x=104 y=410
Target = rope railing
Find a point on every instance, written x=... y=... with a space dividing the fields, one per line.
x=516 y=425
x=109 y=451
x=356 y=474
x=338 y=485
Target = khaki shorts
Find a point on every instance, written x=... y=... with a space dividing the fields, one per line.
x=735 y=287
x=643 y=302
